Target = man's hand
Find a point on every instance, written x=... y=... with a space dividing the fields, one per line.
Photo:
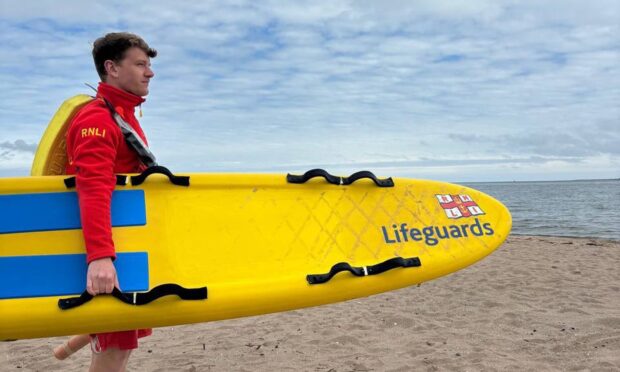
x=101 y=277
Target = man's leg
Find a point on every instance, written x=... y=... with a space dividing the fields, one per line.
x=70 y=346
x=111 y=360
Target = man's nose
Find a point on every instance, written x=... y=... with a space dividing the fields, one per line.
x=149 y=72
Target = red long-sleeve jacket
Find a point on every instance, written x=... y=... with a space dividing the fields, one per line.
x=96 y=151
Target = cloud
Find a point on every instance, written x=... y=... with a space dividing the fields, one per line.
x=266 y=85
x=18 y=146
x=597 y=140
x=16 y=157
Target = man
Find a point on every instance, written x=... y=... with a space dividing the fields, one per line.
x=96 y=151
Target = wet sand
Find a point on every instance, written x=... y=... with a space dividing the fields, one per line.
x=537 y=304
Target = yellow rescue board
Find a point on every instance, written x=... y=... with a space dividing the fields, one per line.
x=252 y=240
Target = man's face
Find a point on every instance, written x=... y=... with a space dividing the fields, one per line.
x=132 y=73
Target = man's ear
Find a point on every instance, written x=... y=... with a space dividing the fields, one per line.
x=111 y=68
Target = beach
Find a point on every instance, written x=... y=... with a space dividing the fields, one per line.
x=538 y=304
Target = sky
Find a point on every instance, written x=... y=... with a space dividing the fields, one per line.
x=458 y=91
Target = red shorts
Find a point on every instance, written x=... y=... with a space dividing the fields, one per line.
x=124 y=340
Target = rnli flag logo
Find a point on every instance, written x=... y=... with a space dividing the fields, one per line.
x=457 y=206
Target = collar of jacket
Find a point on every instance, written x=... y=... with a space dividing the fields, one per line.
x=118 y=97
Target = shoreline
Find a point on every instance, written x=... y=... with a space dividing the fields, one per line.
x=608 y=239
x=537 y=303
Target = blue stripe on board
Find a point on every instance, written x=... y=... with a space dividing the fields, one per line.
x=60 y=211
x=65 y=274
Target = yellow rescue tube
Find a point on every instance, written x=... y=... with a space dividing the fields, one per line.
x=51 y=155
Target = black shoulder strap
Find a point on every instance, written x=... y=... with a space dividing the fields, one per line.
x=132 y=138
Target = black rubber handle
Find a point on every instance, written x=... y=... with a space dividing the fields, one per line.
x=137 y=299
x=158 y=169
x=387 y=182
x=335 y=180
x=379 y=268
x=312 y=173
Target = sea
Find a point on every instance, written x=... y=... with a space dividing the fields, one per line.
x=588 y=208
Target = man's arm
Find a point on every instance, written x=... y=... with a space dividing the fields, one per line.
x=93 y=157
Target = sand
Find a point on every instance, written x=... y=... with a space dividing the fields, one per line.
x=537 y=304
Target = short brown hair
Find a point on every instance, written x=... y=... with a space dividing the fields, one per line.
x=113 y=46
